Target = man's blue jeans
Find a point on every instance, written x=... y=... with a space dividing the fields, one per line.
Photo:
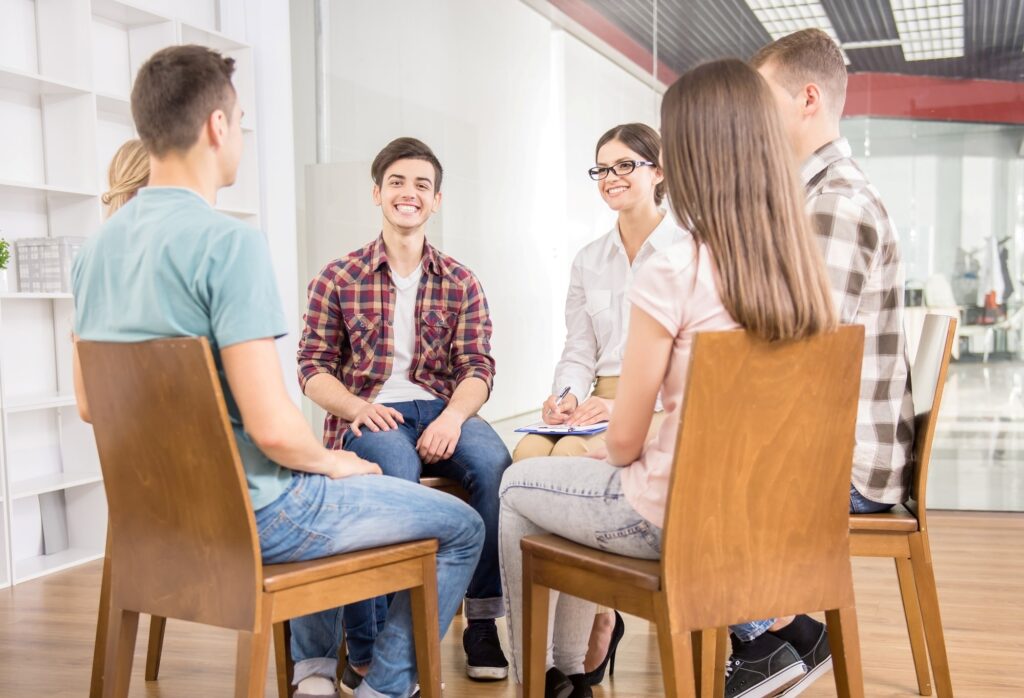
x=318 y=517
x=479 y=461
x=859 y=504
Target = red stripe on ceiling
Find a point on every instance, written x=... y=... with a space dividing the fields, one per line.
x=599 y=25
x=934 y=99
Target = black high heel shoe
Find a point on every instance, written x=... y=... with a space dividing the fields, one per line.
x=597 y=675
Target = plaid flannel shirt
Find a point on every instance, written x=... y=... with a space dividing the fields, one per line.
x=349 y=319
x=863 y=259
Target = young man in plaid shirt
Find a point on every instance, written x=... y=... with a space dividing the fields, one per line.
x=396 y=348
x=807 y=74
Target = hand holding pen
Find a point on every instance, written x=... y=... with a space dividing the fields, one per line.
x=557 y=408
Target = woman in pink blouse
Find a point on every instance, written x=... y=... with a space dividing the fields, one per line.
x=751 y=263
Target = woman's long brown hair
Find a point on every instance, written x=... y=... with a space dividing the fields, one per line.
x=731 y=181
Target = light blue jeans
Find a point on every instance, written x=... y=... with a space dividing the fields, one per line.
x=580 y=499
x=317 y=517
x=479 y=460
x=859 y=504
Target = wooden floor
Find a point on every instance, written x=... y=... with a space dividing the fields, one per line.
x=47 y=626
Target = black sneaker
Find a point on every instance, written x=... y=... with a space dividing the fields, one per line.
x=350 y=680
x=484 y=659
x=766 y=668
x=818 y=660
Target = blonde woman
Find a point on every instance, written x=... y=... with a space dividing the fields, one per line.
x=752 y=263
x=129 y=172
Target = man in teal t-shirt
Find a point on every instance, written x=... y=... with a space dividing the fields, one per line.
x=195 y=272
x=167 y=264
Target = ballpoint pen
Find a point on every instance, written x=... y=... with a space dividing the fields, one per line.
x=561 y=396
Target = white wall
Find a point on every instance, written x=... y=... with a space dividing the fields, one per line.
x=267 y=29
x=513 y=107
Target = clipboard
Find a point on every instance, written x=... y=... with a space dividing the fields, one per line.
x=562 y=429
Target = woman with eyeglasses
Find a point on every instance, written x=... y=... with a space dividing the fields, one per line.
x=629 y=178
x=752 y=262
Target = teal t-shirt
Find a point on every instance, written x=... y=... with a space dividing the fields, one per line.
x=168 y=265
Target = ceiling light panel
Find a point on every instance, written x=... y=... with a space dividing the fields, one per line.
x=930 y=29
x=783 y=17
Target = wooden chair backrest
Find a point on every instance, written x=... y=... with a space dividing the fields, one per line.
x=927 y=380
x=183 y=536
x=757 y=519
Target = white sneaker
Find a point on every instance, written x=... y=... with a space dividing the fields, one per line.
x=316 y=687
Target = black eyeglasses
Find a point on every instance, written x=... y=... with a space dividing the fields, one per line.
x=620 y=168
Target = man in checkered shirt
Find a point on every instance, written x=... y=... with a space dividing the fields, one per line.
x=396 y=348
x=807 y=74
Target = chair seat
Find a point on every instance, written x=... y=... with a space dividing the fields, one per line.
x=896 y=520
x=293 y=574
x=643 y=574
x=438 y=482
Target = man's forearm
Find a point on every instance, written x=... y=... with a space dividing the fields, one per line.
x=329 y=392
x=469 y=396
x=291 y=443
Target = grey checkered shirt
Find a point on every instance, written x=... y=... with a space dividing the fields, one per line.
x=863 y=258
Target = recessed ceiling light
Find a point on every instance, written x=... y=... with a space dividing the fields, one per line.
x=783 y=17
x=930 y=29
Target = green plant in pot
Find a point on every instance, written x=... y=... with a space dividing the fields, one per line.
x=5 y=259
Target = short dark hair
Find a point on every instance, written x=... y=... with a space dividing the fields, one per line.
x=404 y=149
x=175 y=92
x=642 y=140
x=809 y=55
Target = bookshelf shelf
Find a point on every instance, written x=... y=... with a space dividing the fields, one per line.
x=66 y=74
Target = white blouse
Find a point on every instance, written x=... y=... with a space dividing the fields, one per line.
x=597 y=309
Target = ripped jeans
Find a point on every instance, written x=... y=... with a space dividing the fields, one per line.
x=580 y=499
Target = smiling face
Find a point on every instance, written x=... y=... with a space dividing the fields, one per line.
x=406 y=194
x=622 y=193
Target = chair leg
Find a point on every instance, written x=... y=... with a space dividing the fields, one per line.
x=117 y=674
x=157 y=624
x=924 y=580
x=676 y=654
x=534 y=642
x=915 y=626
x=705 y=661
x=252 y=655
x=845 y=645
x=99 y=652
x=342 y=652
x=721 y=654
x=283 y=659
x=426 y=630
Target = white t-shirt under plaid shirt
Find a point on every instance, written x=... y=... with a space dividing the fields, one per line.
x=863 y=258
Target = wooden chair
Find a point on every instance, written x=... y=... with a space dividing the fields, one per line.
x=902 y=533
x=158 y=624
x=183 y=540
x=756 y=523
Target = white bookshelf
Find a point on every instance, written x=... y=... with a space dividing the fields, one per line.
x=66 y=72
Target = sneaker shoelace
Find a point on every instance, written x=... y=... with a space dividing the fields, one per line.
x=730 y=666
